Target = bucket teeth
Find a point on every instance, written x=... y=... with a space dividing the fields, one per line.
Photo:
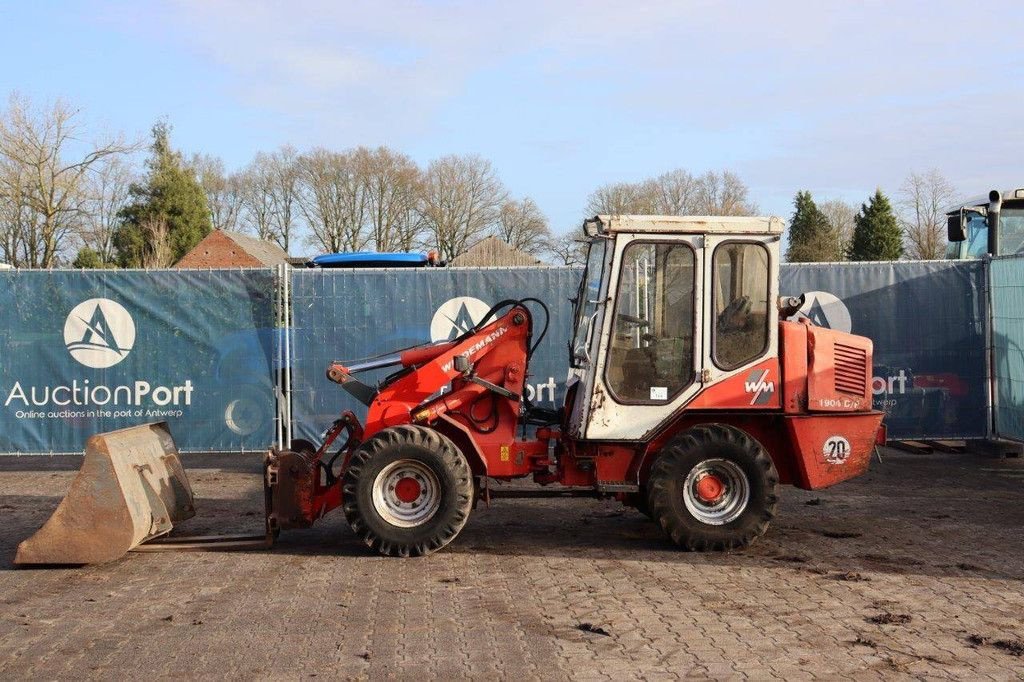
x=131 y=488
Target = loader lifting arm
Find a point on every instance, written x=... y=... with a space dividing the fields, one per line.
x=469 y=389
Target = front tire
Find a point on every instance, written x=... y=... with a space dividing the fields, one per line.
x=713 y=488
x=408 y=491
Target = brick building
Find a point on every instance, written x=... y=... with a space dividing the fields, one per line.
x=492 y=251
x=224 y=249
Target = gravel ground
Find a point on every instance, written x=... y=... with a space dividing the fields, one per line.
x=913 y=571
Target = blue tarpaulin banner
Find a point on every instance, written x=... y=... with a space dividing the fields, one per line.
x=927 y=322
x=97 y=350
x=91 y=351
x=352 y=314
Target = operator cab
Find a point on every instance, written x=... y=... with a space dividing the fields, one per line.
x=993 y=223
x=667 y=305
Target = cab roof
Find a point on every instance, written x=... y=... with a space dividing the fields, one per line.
x=982 y=199
x=663 y=224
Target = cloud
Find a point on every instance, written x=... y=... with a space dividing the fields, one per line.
x=844 y=95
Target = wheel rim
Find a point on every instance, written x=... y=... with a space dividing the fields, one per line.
x=716 y=491
x=406 y=493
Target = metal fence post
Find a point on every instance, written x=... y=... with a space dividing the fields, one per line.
x=988 y=301
x=287 y=354
x=279 y=355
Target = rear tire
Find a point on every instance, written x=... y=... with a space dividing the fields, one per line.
x=713 y=488
x=408 y=491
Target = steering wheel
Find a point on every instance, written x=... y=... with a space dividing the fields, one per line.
x=734 y=316
x=638 y=321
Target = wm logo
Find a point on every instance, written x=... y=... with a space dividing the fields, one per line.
x=758 y=384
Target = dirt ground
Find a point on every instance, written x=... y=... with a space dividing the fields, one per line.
x=913 y=571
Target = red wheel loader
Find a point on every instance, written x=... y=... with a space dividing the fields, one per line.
x=689 y=397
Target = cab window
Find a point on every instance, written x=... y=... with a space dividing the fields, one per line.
x=587 y=300
x=651 y=352
x=740 y=295
x=977 y=236
x=1011 y=231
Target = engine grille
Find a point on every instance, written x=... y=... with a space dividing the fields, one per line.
x=851 y=369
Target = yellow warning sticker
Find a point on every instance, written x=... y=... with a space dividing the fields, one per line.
x=505 y=453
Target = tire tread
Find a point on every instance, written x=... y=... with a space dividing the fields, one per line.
x=382 y=444
x=662 y=486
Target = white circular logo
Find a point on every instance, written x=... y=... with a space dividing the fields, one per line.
x=456 y=316
x=99 y=333
x=836 y=450
x=825 y=310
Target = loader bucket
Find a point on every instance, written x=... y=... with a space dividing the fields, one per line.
x=131 y=488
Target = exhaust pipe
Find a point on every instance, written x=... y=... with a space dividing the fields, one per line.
x=995 y=203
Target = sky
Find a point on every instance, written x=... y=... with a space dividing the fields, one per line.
x=833 y=97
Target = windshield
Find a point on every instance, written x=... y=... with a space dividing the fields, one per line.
x=1011 y=230
x=587 y=300
x=1011 y=234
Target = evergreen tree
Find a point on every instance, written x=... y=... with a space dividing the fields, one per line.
x=168 y=213
x=811 y=236
x=876 y=233
x=87 y=259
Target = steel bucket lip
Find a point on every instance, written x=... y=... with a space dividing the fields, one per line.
x=130 y=488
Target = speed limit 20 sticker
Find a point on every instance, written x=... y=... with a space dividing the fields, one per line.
x=836 y=450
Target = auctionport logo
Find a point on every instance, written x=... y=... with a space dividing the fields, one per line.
x=456 y=316
x=99 y=333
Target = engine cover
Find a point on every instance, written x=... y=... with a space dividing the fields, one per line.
x=838 y=371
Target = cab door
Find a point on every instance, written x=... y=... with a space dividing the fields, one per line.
x=740 y=338
x=648 y=360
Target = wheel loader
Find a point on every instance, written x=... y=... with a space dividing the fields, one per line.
x=690 y=397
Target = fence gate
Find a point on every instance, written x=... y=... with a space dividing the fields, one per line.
x=1006 y=289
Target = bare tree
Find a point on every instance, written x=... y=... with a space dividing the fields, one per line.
x=522 y=225
x=673 y=193
x=623 y=198
x=722 y=194
x=108 y=193
x=223 y=191
x=159 y=251
x=19 y=225
x=393 y=186
x=461 y=199
x=47 y=178
x=268 y=192
x=284 y=173
x=257 y=198
x=840 y=216
x=923 y=199
x=567 y=249
x=333 y=199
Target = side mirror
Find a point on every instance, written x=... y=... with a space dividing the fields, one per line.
x=956 y=227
